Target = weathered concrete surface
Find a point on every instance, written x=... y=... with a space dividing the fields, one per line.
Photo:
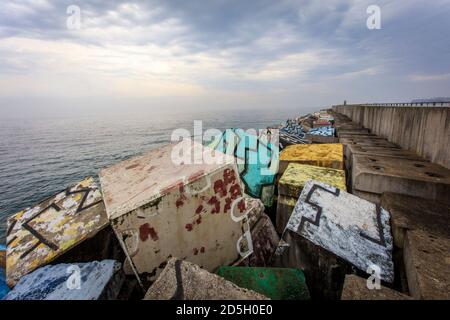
x=182 y=280
x=425 y=131
x=37 y=236
x=372 y=141
x=296 y=175
x=355 y=288
x=97 y=280
x=354 y=133
x=285 y=206
x=161 y=209
x=324 y=271
x=314 y=138
x=351 y=228
x=265 y=241
x=254 y=155
x=369 y=196
x=322 y=155
x=380 y=174
x=274 y=283
x=351 y=150
x=3 y=258
x=255 y=210
x=427 y=263
x=292 y=182
x=414 y=213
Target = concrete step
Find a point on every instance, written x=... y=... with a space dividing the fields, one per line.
x=351 y=150
x=414 y=213
x=376 y=174
x=427 y=263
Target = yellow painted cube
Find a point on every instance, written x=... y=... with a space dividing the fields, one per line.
x=296 y=175
x=321 y=155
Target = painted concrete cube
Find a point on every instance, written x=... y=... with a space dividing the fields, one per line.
x=38 y=235
x=162 y=205
x=96 y=280
x=351 y=228
x=257 y=161
x=292 y=183
x=322 y=155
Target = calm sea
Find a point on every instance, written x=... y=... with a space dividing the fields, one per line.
x=40 y=156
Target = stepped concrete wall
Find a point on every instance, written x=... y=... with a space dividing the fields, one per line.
x=424 y=130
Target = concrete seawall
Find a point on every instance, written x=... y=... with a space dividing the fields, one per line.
x=424 y=130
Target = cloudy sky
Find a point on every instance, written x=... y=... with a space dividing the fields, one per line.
x=224 y=53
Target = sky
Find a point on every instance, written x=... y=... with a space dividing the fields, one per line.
x=219 y=54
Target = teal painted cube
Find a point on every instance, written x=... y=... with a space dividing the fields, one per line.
x=257 y=161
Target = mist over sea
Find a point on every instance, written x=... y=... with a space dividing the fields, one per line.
x=40 y=156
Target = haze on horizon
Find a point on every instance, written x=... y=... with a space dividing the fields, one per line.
x=220 y=54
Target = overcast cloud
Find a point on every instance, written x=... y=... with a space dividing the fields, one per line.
x=221 y=53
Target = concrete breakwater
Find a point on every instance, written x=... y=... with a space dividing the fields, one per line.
x=349 y=214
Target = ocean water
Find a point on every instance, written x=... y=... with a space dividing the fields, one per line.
x=40 y=156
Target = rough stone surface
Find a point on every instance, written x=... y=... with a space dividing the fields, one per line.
x=423 y=130
x=322 y=155
x=98 y=280
x=314 y=138
x=265 y=241
x=349 y=133
x=368 y=142
x=355 y=288
x=324 y=271
x=194 y=211
x=2 y=258
x=182 y=280
x=411 y=213
x=285 y=206
x=369 y=196
x=296 y=175
x=352 y=150
x=291 y=185
x=254 y=156
x=37 y=236
x=275 y=283
x=380 y=174
x=427 y=263
x=352 y=228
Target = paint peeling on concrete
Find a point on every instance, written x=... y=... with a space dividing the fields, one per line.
x=250 y=153
x=37 y=235
x=58 y=282
x=209 y=212
x=322 y=155
x=352 y=228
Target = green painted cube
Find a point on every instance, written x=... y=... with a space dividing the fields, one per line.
x=274 y=283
